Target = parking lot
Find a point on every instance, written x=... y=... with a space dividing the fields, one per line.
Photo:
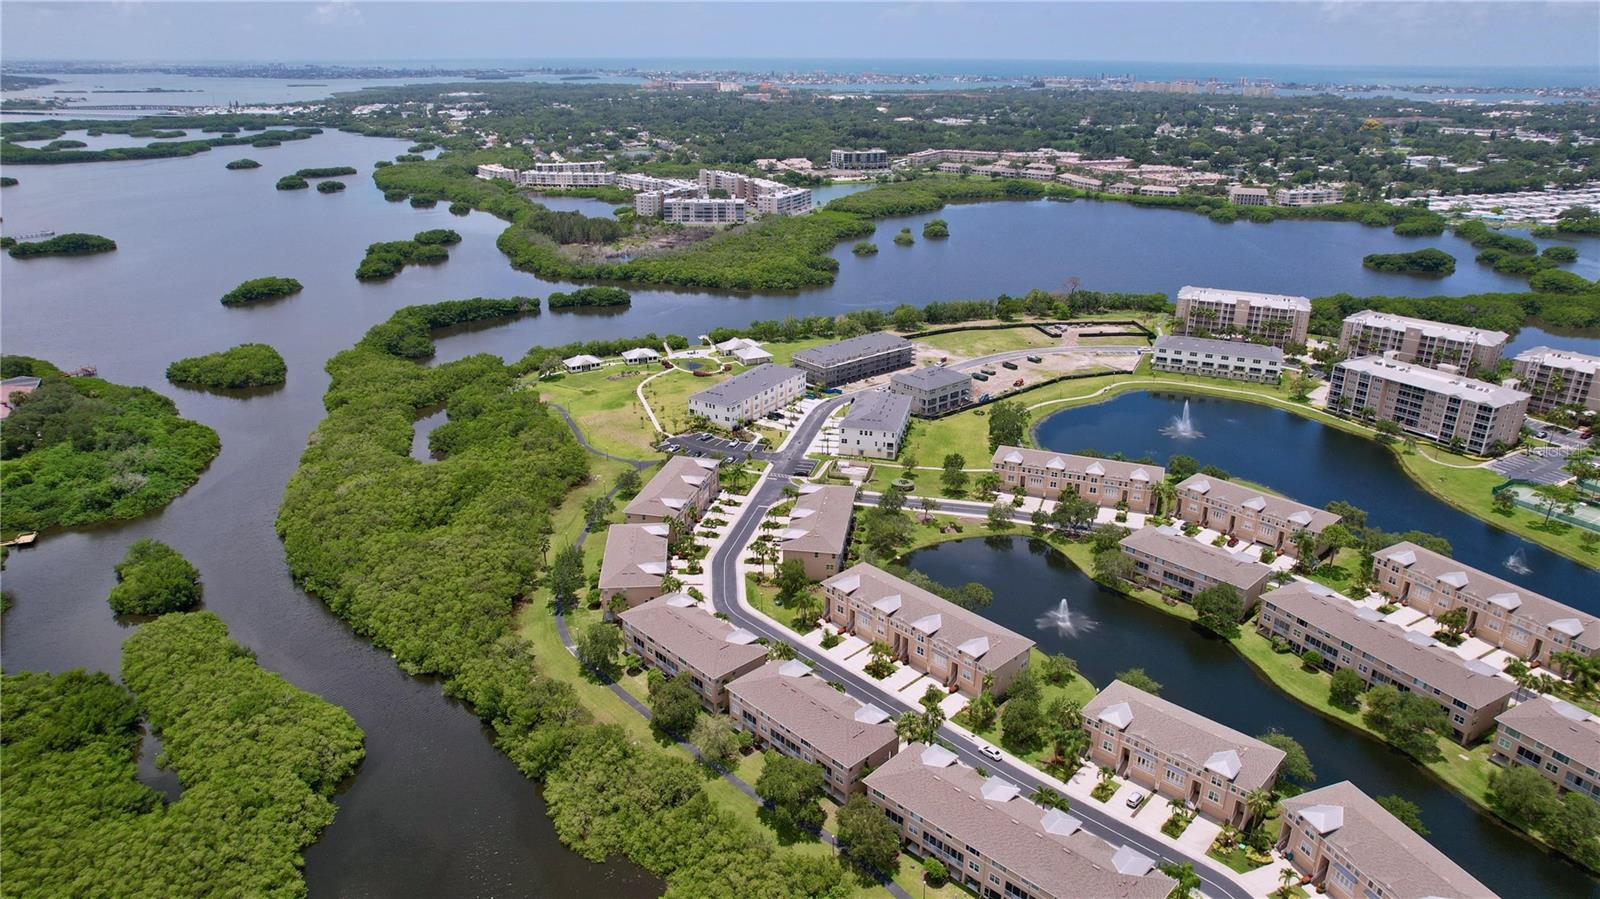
x=702 y=444
x=1539 y=466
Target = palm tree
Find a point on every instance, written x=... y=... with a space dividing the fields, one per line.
x=1258 y=803
x=1288 y=878
x=1106 y=774
x=1581 y=670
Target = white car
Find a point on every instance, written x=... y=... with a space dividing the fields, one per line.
x=1135 y=799
x=989 y=751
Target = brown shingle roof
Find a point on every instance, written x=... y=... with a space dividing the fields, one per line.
x=1559 y=725
x=1240 y=571
x=836 y=725
x=668 y=492
x=688 y=630
x=636 y=556
x=1300 y=515
x=820 y=520
x=1518 y=600
x=1196 y=739
x=954 y=625
x=1067 y=463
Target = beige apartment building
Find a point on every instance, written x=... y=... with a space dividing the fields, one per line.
x=1176 y=753
x=1236 y=359
x=875 y=425
x=1308 y=195
x=933 y=389
x=1371 y=333
x=1277 y=319
x=1250 y=515
x=1433 y=404
x=1104 y=482
x=1557 y=378
x=1169 y=561
x=953 y=646
x=1555 y=738
x=853 y=359
x=1310 y=616
x=1500 y=613
x=819 y=529
x=673 y=634
x=635 y=562
x=794 y=712
x=681 y=490
x=1347 y=846
x=1249 y=196
x=997 y=843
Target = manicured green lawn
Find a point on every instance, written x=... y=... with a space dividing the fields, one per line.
x=967 y=344
x=1471 y=490
x=604 y=405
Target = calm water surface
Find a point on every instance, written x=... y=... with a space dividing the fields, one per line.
x=1107 y=633
x=1317 y=465
x=435 y=810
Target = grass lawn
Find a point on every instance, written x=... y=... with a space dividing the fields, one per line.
x=604 y=405
x=669 y=396
x=1236 y=858
x=1079 y=690
x=967 y=344
x=764 y=598
x=1339 y=572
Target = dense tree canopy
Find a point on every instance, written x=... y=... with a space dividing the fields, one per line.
x=75 y=244
x=152 y=579
x=257 y=289
x=246 y=365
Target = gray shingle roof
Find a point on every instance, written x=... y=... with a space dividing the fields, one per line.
x=1229 y=347
x=835 y=724
x=878 y=411
x=932 y=377
x=746 y=384
x=1196 y=739
x=851 y=349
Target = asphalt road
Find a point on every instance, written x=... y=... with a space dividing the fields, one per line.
x=724 y=598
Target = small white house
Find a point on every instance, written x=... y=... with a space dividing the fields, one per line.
x=752 y=355
x=640 y=356
x=581 y=363
x=734 y=344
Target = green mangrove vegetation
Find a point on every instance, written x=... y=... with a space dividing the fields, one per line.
x=1496 y=311
x=387 y=258
x=864 y=248
x=82 y=450
x=1418 y=262
x=153 y=579
x=904 y=238
x=332 y=171
x=246 y=365
x=8 y=181
x=330 y=187
x=258 y=289
x=259 y=760
x=359 y=511
x=74 y=244
x=589 y=296
x=292 y=182
x=245 y=163
x=935 y=228
x=13 y=153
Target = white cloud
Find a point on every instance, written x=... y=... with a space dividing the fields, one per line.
x=338 y=12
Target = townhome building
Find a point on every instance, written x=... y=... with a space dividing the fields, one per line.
x=819 y=529
x=1418 y=340
x=1248 y=514
x=1308 y=615
x=997 y=843
x=1500 y=613
x=875 y=158
x=955 y=647
x=1176 y=753
x=853 y=359
x=1104 y=482
x=680 y=491
x=1434 y=404
x=1277 y=319
x=1208 y=357
x=796 y=713
x=1347 y=846
x=749 y=395
x=1555 y=738
x=673 y=634
x=635 y=562
x=933 y=389
x=1557 y=378
x=875 y=425
x=1170 y=562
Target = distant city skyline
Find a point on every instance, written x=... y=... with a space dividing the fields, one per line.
x=1342 y=34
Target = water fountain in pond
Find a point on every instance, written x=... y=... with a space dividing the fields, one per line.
x=1182 y=427
x=1518 y=562
x=1061 y=620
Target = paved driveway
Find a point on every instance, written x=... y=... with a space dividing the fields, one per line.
x=1538 y=466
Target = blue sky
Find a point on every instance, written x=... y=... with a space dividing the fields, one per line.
x=1333 y=33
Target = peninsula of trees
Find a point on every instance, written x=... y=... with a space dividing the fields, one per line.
x=386 y=259
x=258 y=289
x=246 y=365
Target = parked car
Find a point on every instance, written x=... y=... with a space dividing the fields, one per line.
x=1136 y=800
x=1017 y=383
x=1035 y=359
x=1008 y=364
x=989 y=751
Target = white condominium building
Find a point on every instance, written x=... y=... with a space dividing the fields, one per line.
x=790 y=201
x=1249 y=196
x=703 y=211
x=493 y=171
x=1309 y=195
x=1437 y=405
x=566 y=174
x=875 y=158
x=1557 y=378
x=1279 y=319
x=1372 y=333
x=1204 y=356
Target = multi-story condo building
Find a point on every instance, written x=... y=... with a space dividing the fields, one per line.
x=702 y=211
x=1555 y=738
x=875 y=426
x=933 y=389
x=653 y=203
x=794 y=712
x=635 y=562
x=1276 y=319
x=1500 y=613
x=1249 y=196
x=1431 y=403
x=1348 y=846
x=953 y=646
x=936 y=157
x=1308 y=615
x=674 y=633
x=637 y=181
x=1178 y=754
x=819 y=529
x=875 y=158
x=764 y=196
x=790 y=201
x=1158 y=190
x=1169 y=561
x=852 y=359
x=1104 y=482
x=1247 y=514
x=995 y=842
x=1557 y=378
x=1082 y=182
x=749 y=395
x=680 y=491
x=566 y=174
x=493 y=171
x=1418 y=340
x=1308 y=195
x=1207 y=357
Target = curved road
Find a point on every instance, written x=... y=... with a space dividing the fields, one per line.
x=725 y=580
